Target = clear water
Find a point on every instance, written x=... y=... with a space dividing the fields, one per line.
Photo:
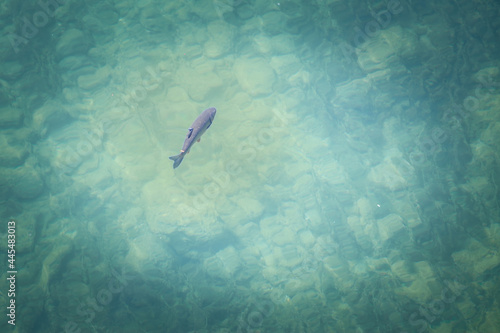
x=349 y=181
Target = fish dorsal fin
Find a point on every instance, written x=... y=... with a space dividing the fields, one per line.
x=190 y=132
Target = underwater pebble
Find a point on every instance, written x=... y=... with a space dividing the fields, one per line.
x=353 y=95
x=26 y=183
x=214 y=48
x=389 y=226
x=50 y=116
x=220 y=41
x=387 y=175
x=475 y=258
x=199 y=83
x=273 y=22
x=251 y=207
x=10 y=117
x=286 y=65
x=255 y=76
x=269 y=226
x=72 y=42
x=11 y=70
x=12 y=155
x=244 y=11
x=153 y=20
x=95 y=80
x=306 y=238
x=177 y=94
x=288 y=256
x=73 y=62
x=284 y=236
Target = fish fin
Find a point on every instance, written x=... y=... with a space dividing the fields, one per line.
x=190 y=132
x=199 y=140
x=177 y=159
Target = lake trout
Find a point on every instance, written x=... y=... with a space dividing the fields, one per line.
x=199 y=126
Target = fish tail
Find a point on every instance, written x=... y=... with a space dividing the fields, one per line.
x=177 y=159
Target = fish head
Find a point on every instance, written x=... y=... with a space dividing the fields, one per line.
x=211 y=112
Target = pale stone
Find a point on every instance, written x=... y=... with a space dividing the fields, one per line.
x=424 y=270
x=154 y=21
x=248 y=233
x=467 y=308
x=286 y=65
x=95 y=80
x=26 y=183
x=230 y=259
x=50 y=116
x=313 y=217
x=352 y=95
x=244 y=11
x=288 y=256
x=230 y=212
x=138 y=252
x=52 y=262
x=220 y=42
x=251 y=207
x=417 y=291
x=362 y=230
x=71 y=42
x=385 y=49
x=216 y=48
x=269 y=226
x=408 y=211
x=273 y=22
x=330 y=172
x=73 y=63
x=177 y=94
x=12 y=155
x=283 y=44
x=388 y=176
x=389 y=226
x=375 y=55
x=491 y=321
x=262 y=43
x=334 y=262
x=300 y=284
x=339 y=270
x=401 y=270
x=11 y=70
x=134 y=152
x=10 y=117
x=306 y=238
x=200 y=82
x=284 y=236
x=476 y=258
x=255 y=76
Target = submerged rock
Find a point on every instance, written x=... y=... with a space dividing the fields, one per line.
x=221 y=39
x=73 y=41
x=10 y=117
x=12 y=153
x=26 y=183
x=50 y=116
x=255 y=76
x=96 y=80
x=390 y=226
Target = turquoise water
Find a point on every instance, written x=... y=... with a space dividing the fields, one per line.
x=348 y=183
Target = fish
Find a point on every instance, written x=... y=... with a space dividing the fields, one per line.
x=199 y=126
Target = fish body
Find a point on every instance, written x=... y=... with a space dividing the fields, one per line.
x=199 y=126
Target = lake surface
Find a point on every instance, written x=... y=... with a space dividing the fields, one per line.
x=348 y=183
